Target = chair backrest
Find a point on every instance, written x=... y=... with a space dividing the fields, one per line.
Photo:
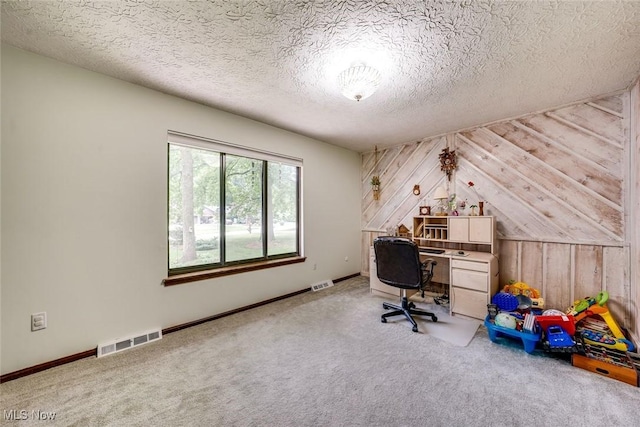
x=398 y=262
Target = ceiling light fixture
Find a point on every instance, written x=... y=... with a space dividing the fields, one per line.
x=359 y=82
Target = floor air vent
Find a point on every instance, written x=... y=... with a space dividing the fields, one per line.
x=321 y=285
x=126 y=343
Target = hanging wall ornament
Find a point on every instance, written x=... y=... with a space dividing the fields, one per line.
x=375 y=179
x=448 y=161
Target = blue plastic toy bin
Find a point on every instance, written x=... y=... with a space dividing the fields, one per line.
x=529 y=339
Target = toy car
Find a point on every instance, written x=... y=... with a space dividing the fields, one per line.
x=557 y=339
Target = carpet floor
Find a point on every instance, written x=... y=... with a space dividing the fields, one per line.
x=321 y=359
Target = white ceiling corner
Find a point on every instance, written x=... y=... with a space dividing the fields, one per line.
x=445 y=65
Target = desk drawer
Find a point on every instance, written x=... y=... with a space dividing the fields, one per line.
x=469 y=303
x=475 y=280
x=470 y=265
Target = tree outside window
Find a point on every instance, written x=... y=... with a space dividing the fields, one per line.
x=229 y=209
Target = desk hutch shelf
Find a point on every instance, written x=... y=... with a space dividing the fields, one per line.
x=474 y=233
x=428 y=229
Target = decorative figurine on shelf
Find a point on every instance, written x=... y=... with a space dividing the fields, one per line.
x=462 y=206
x=452 y=204
x=473 y=210
x=403 y=231
x=448 y=161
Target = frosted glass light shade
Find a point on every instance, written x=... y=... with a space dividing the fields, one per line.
x=441 y=193
x=359 y=82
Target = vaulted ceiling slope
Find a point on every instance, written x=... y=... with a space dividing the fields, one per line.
x=445 y=65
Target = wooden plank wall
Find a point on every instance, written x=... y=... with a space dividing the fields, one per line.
x=555 y=182
x=634 y=185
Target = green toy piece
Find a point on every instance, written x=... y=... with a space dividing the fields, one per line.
x=602 y=298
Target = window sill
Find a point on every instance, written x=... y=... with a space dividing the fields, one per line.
x=227 y=271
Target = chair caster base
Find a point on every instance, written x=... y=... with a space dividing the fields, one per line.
x=406 y=309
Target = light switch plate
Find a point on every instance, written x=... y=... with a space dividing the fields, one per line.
x=38 y=321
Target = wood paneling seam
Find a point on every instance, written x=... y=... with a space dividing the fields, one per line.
x=543 y=190
x=616 y=244
x=603 y=271
x=577 y=127
x=559 y=146
x=606 y=110
x=582 y=187
x=519 y=261
x=544 y=268
x=572 y=266
x=513 y=196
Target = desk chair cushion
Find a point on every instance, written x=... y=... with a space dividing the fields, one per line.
x=398 y=262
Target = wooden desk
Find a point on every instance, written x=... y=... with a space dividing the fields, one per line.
x=472 y=280
x=472 y=277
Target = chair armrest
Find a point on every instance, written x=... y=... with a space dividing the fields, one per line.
x=428 y=264
x=427 y=269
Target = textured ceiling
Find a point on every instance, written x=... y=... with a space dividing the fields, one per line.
x=444 y=65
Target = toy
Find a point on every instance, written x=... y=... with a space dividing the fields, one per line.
x=557 y=318
x=606 y=332
x=521 y=288
x=559 y=329
x=557 y=339
x=505 y=301
x=505 y=320
x=524 y=302
x=619 y=365
x=616 y=372
x=492 y=309
x=529 y=339
x=529 y=322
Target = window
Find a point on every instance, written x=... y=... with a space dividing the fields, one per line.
x=229 y=205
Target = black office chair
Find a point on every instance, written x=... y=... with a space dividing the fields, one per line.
x=398 y=264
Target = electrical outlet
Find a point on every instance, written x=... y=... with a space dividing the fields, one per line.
x=38 y=321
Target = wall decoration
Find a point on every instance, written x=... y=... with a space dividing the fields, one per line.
x=375 y=179
x=448 y=161
x=375 y=186
x=416 y=190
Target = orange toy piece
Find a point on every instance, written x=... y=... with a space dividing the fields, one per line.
x=521 y=288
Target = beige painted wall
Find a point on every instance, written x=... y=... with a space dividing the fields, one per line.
x=84 y=164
